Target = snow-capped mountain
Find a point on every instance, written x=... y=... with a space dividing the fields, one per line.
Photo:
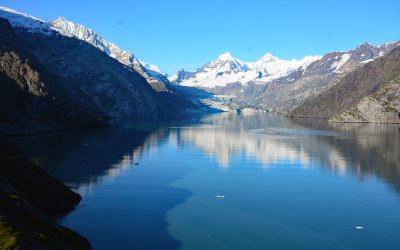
x=226 y=69
x=76 y=78
x=277 y=84
x=27 y=22
x=150 y=72
x=287 y=92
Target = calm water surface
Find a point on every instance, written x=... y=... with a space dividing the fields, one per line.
x=287 y=184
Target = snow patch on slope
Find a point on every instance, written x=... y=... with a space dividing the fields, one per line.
x=24 y=21
x=339 y=63
x=149 y=71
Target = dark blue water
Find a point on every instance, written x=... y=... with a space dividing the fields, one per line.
x=286 y=184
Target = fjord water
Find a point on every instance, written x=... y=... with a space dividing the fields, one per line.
x=286 y=184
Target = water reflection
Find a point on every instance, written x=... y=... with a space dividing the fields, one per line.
x=86 y=158
x=363 y=149
x=114 y=213
x=133 y=200
x=269 y=139
x=371 y=149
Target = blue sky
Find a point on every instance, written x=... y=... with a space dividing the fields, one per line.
x=178 y=34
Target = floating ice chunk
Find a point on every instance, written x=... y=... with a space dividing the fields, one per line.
x=359 y=227
x=220 y=196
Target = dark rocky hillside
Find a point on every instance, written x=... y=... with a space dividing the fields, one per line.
x=29 y=94
x=53 y=81
x=29 y=199
x=377 y=79
x=117 y=90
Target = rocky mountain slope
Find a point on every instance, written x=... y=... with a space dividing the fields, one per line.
x=51 y=72
x=275 y=84
x=368 y=94
x=29 y=93
x=151 y=73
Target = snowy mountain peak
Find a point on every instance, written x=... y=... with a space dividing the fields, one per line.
x=66 y=24
x=227 y=69
x=149 y=71
x=71 y=29
x=24 y=21
x=268 y=57
x=226 y=56
x=61 y=19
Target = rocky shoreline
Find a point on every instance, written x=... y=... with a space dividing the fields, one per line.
x=30 y=199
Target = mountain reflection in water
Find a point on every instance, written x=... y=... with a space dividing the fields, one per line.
x=145 y=183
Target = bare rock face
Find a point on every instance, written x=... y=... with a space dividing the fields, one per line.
x=30 y=94
x=381 y=107
x=368 y=94
x=157 y=80
x=269 y=84
x=50 y=80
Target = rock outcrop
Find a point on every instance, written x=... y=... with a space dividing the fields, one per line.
x=29 y=199
x=368 y=94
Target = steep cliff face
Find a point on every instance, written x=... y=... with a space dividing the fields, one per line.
x=158 y=81
x=30 y=94
x=380 y=107
x=369 y=94
x=50 y=80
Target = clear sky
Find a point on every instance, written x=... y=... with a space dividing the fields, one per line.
x=176 y=34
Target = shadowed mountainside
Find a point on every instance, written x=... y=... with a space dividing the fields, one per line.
x=364 y=82
x=29 y=198
x=29 y=94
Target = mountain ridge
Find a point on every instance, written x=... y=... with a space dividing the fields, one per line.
x=227 y=69
x=368 y=94
x=78 y=78
x=289 y=89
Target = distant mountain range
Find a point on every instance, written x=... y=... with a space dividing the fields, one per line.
x=60 y=73
x=227 y=70
x=275 y=84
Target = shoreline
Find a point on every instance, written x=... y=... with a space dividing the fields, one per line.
x=30 y=202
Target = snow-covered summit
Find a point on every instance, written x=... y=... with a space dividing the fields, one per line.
x=70 y=29
x=226 y=56
x=24 y=21
x=149 y=71
x=62 y=26
x=227 y=69
x=268 y=57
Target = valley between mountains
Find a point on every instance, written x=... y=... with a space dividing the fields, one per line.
x=58 y=74
x=63 y=74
